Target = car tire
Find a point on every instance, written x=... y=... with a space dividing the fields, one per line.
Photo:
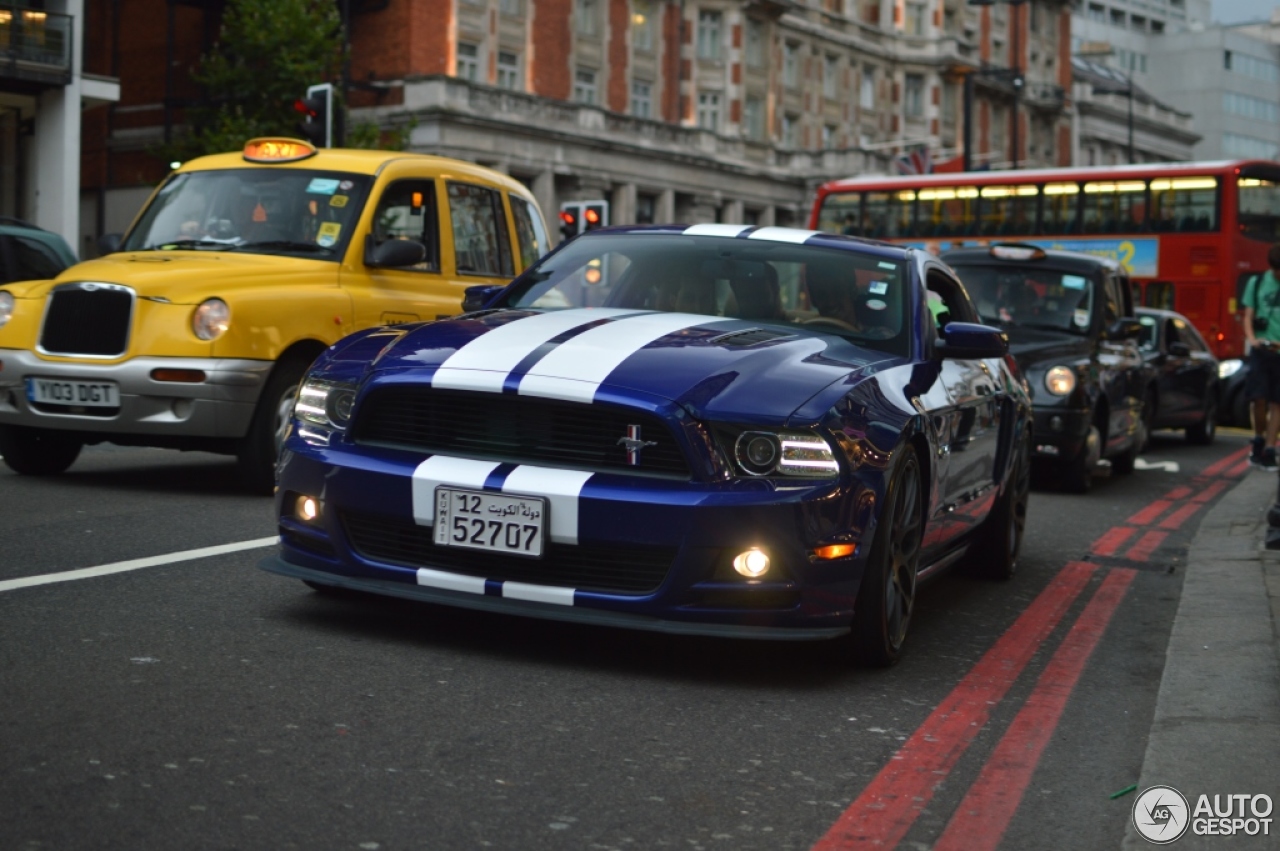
x=994 y=552
x=259 y=449
x=1203 y=432
x=1124 y=463
x=38 y=451
x=886 y=597
x=1075 y=475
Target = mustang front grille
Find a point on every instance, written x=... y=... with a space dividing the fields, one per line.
x=613 y=570
x=518 y=429
x=87 y=319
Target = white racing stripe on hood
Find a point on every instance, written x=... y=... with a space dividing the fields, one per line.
x=577 y=368
x=562 y=488
x=484 y=363
x=715 y=230
x=443 y=470
x=783 y=235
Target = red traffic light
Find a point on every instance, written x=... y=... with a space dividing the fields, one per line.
x=592 y=217
x=567 y=217
x=307 y=106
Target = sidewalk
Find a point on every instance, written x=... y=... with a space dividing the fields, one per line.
x=1217 y=722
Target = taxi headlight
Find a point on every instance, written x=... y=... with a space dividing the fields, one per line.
x=325 y=403
x=763 y=453
x=6 y=307
x=1060 y=380
x=211 y=319
x=1226 y=368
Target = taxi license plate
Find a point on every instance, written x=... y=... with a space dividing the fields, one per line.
x=496 y=522
x=85 y=394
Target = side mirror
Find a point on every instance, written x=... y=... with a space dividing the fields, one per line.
x=1126 y=328
x=1179 y=349
x=394 y=253
x=969 y=340
x=475 y=298
x=109 y=243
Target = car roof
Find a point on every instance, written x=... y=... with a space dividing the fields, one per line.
x=794 y=236
x=10 y=226
x=1073 y=260
x=1162 y=313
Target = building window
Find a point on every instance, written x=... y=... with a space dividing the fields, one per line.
x=588 y=14
x=709 y=110
x=1097 y=13
x=641 y=98
x=467 y=64
x=790 y=130
x=915 y=18
x=509 y=71
x=509 y=7
x=584 y=86
x=710 y=26
x=791 y=64
x=867 y=93
x=755 y=44
x=642 y=24
x=828 y=136
x=753 y=117
x=913 y=100
x=830 y=72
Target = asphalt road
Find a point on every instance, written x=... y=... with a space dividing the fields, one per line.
x=204 y=704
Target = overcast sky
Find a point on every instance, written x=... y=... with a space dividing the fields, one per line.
x=1235 y=11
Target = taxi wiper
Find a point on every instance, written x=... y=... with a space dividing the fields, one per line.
x=287 y=245
x=187 y=244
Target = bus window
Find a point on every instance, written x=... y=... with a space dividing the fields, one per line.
x=889 y=215
x=1061 y=204
x=1114 y=207
x=1008 y=210
x=1184 y=204
x=1258 y=201
x=948 y=211
x=841 y=212
x=1158 y=294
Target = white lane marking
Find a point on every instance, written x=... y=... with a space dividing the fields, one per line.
x=715 y=230
x=484 y=363
x=1167 y=466
x=783 y=234
x=450 y=581
x=577 y=368
x=538 y=593
x=444 y=470
x=137 y=564
x=562 y=489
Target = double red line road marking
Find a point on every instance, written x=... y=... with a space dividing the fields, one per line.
x=889 y=805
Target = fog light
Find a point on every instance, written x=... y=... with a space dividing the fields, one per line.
x=308 y=508
x=751 y=564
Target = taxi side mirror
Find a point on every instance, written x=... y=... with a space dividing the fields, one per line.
x=1179 y=349
x=970 y=340
x=394 y=253
x=109 y=243
x=1126 y=328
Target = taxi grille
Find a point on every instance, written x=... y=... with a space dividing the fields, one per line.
x=87 y=319
x=609 y=569
x=517 y=429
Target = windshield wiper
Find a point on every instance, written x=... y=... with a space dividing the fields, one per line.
x=186 y=244
x=287 y=245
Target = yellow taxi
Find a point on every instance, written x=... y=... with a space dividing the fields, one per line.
x=196 y=330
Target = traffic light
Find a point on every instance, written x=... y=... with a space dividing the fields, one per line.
x=581 y=216
x=317 y=115
x=568 y=222
x=595 y=215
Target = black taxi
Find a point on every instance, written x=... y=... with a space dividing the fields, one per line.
x=1072 y=327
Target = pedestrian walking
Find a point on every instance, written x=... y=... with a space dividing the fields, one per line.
x=1262 y=334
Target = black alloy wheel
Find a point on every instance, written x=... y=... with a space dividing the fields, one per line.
x=882 y=612
x=260 y=448
x=1075 y=475
x=994 y=552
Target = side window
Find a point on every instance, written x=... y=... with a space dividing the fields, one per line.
x=531 y=236
x=1112 y=303
x=480 y=241
x=34 y=260
x=947 y=301
x=407 y=210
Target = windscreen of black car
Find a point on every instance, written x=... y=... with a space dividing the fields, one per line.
x=1030 y=297
x=288 y=211
x=856 y=295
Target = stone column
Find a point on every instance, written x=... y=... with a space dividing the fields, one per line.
x=622 y=204
x=731 y=213
x=664 y=211
x=544 y=190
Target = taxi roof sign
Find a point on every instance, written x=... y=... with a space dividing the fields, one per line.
x=277 y=150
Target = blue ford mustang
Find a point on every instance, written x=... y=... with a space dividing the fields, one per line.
x=717 y=429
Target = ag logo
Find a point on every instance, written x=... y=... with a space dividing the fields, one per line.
x=1161 y=814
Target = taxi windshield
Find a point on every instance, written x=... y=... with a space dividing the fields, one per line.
x=1035 y=297
x=288 y=211
x=860 y=296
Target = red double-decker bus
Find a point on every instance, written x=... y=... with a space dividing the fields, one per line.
x=1190 y=234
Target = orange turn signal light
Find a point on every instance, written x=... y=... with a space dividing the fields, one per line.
x=835 y=551
x=180 y=376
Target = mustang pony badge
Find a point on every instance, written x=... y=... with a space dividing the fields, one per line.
x=634 y=444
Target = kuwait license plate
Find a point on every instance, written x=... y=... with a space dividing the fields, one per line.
x=86 y=394
x=497 y=522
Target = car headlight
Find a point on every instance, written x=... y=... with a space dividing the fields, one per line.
x=1060 y=380
x=1226 y=368
x=766 y=453
x=211 y=319
x=6 y=307
x=325 y=403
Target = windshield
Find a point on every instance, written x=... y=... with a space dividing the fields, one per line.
x=1030 y=297
x=858 y=296
x=253 y=210
x=1148 y=339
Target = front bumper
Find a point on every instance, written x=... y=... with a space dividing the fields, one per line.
x=1059 y=432
x=219 y=407
x=690 y=532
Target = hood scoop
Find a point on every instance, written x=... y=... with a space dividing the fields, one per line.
x=747 y=337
